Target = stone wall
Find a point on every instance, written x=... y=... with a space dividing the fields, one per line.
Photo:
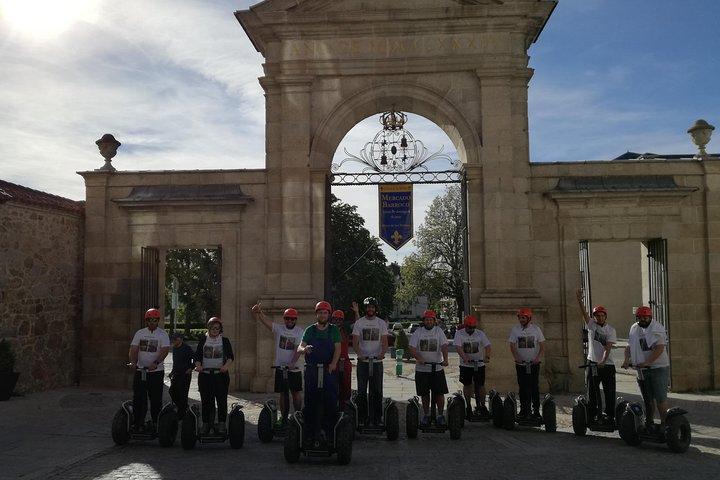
x=41 y=270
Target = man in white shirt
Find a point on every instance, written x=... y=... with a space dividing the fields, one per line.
x=601 y=338
x=287 y=339
x=148 y=350
x=527 y=344
x=473 y=347
x=647 y=350
x=429 y=344
x=370 y=340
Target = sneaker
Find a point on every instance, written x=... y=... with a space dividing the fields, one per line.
x=482 y=411
x=221 y=428
x=536 y=415
x=280 y=422
x=205 y=430
x=425 y=420
x=440 y=420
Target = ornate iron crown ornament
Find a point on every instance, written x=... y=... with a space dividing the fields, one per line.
x=394 y=149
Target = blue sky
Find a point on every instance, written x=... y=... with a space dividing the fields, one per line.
x=176 y=82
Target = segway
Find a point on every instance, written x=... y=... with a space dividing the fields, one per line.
x=481 y=412
x=455 y=414
x=192 y=433
x=310 y=440
x=634 y=429
x=165 y=430
x=358 y=406
x=581 y=420
x=268 y=427
x=510 y=416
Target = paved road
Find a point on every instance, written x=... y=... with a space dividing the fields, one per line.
x=64 y=434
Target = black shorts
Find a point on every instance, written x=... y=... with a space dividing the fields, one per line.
x=468 y=375
x=426 y=381
x=294 y=381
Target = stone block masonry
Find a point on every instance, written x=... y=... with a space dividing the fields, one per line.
x=41 y=272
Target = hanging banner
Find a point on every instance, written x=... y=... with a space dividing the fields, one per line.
x=396 y=213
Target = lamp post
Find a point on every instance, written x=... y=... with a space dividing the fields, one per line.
x=701 y=132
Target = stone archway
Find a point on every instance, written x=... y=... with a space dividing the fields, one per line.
x=460 y=64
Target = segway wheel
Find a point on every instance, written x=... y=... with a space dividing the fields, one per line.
x=265 y=427
x=187 y=433
x=456 y=418
x=236 y=429
x=292 y=443
x=508 y=414
x=549 y=415
x=350 y=412
x=120 y=434
x=411 y=420
x=343 y=443
x=497 y=411
x=167 y=428
x=392 y=422
x=619 y=410
x=627 y=429
x=578 y=421
x=678 y=434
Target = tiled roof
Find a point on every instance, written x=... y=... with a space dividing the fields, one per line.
x=28 y=196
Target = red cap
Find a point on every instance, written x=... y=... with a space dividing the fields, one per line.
x=599 y=309
x=323 y=305
x=643 y=312
x=338 y=314
x=470 y=321
x=429 y=313
x=290 y=313
x=152 y=313
x=525 y=312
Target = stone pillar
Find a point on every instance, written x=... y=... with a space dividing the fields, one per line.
x=712 y=202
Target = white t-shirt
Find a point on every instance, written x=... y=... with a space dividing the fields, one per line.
x=429 y=345
x=473 y=345
x=370 y=333
x=598 y=338
x=527 y=341
x=213 y=352
x=149 y=345
x=642 y=340
x=286 y=342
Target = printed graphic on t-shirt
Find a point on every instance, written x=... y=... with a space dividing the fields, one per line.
x=428 y=345
x=526 y=342
x=212 y=352
x=601 y=338
x=148 y=345
x=644 y=346
x=287 y=343
x=471 y=347
x=371 y=334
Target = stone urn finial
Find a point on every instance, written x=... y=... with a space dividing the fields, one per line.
x=108 y=149
x=701 y=132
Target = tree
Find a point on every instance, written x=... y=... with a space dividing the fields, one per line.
x=359 y=267
x=436 y=270
x=198 y=274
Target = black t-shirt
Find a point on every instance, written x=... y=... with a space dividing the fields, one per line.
x=183 y=359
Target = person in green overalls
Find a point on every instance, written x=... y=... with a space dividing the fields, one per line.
x=321 y=346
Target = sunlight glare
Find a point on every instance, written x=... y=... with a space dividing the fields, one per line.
x=46 y=19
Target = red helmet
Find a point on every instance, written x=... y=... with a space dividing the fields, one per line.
x=214 y=320
x=290 y=313
x=599 y=309
x=152 y=313
x=643 y=312
x=470 y=321
x=429 y=314
x=525 y=312
x=338 y=314
x=323 y=305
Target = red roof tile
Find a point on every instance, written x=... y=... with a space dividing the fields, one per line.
x=18 y=193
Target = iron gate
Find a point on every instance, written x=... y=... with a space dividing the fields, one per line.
x=585 y=285
x=149 y=280
x=658 y=280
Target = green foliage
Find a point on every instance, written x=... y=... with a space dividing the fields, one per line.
x=401 y=341
x=198 y=274
x=7 y=357
x=436 y=270
x=359 y=267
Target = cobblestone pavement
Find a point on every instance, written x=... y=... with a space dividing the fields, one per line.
x=64 y=434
